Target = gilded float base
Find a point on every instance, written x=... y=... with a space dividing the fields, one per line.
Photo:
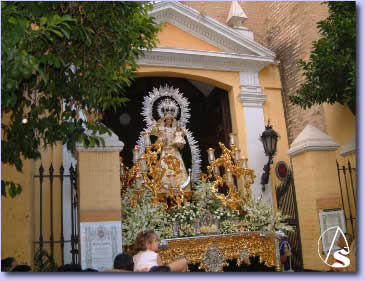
x=213 y=251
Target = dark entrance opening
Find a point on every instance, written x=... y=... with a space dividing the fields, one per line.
x=210 y=120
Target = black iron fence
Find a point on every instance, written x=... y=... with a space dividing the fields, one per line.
x=347 y=184
x=287 y=203
x=47 y=196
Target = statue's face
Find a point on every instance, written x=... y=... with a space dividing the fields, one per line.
x=168 y=122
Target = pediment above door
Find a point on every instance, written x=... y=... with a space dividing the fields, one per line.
x=206 y=44
x=207 y=29
x=174 y=37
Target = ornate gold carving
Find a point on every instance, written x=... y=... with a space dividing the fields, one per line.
x=233 y=167
x=149 y=167
x=212 y=252
x=123 y=176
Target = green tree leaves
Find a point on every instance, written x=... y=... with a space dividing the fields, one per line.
x=14 y=189
x=330 y=73
x=61 y=58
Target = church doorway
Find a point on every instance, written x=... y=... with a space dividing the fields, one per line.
x=210 y=120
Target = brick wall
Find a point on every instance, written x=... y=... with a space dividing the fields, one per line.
x=288 y=29
x=255 y=11
x=291 y=28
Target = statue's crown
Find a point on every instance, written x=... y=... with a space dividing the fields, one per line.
x=168 y=108
x=168 y=111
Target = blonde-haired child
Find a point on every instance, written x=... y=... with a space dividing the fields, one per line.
x=146 y=246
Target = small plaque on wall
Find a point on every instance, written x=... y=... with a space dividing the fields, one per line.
x=330 y=220
x=100 y=243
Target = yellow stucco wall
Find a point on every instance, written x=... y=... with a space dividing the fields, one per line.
x=20 y=215
x=316 y=185
x=269 y=78
x=174 y=37
x=17 y=215
x=99 y=181
x=340 y=123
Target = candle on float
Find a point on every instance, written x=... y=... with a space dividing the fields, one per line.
x=143 y=163
x=244 y=163
x=216 y=171
x=211 y=156
x=135 y=154
x=122 y=170
x=232 y=139
x=147 y=139
x=237 y=154
x=229 y=176
x=139 y=181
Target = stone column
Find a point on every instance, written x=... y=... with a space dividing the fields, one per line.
x=252 y=102
x=99 y=206
x=313 y=156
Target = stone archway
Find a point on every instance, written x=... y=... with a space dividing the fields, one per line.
x=210 y=120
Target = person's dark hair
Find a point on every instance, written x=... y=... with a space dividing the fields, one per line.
x=22 y=268
x=160 y=268
x=7 y=263
x=142 y=238
x=90 y=270
x=70 y=268
x=124 y=261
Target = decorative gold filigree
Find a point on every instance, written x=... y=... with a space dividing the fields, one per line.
x=233 y=167
x=123 y=176
x=149 y=167
x=238 y=246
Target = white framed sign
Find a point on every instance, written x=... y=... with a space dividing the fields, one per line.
x=100 y=243
x=331 y=218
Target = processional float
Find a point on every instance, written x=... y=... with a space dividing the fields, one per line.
x=158 y=166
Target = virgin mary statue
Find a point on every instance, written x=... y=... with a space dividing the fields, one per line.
x=180 y=151
x=171 y=135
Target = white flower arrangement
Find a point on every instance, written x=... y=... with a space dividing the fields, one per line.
x=204 y=197
x=260 y=216
x=223 y=213
x=186 y=230
x=256 y=215
x=188 y=213
x=228 y=226
x=144 y=215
